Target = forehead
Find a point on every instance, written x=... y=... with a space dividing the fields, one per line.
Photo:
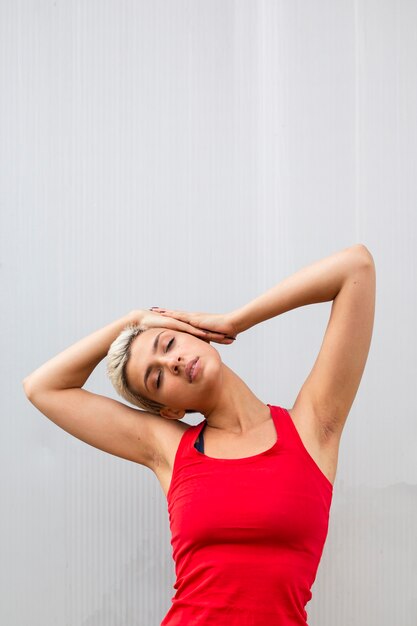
x=144 y=339
x=140 y=351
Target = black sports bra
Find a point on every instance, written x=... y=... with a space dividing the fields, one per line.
x=199 y=444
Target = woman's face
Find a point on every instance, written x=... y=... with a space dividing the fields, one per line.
x=159 y=356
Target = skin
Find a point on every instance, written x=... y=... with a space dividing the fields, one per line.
x=217 y=392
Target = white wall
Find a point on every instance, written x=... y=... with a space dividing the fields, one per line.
x=192 y=155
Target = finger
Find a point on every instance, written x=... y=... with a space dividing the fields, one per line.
x=185 y=317
x=224 y=341
x=178 y=315
x=169 y=311
x=188 y=328
x=205 y=333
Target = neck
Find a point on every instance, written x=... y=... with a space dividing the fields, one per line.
x=236 y=410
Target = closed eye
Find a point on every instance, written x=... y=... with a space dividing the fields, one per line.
x=159 y=376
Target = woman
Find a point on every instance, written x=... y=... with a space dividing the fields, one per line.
x=248 y=498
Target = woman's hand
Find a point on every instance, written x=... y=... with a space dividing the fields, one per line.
x=152 y=319
x=217 y=324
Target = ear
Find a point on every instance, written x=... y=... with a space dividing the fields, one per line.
x=172 y=413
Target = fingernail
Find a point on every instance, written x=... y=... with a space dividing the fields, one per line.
x=232 y=338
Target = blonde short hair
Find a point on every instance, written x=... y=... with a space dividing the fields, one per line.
x=117 y=359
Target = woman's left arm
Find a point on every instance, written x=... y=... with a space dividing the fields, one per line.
x=348 y=278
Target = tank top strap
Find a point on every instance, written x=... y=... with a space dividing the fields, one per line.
x=188 y=439
x=292 y=442
x=285 y=427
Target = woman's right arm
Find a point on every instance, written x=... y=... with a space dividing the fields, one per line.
x=55 y=390
x=72 y=367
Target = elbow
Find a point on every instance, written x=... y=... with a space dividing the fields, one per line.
x=26 y=387
x=364 y=254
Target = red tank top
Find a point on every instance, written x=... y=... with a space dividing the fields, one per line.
x=247 y=533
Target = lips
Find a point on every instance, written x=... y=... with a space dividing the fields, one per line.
x=189 y=367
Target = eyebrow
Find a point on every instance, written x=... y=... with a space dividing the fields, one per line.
x=154 y=349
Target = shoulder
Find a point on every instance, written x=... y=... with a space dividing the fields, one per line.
x=167 y=436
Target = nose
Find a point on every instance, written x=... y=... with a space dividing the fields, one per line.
x=174 y=363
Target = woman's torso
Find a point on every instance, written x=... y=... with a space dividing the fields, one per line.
x=247 y=529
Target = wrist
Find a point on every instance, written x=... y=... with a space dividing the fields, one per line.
x=239 y=320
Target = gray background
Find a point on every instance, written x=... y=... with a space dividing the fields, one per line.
x=191 y=155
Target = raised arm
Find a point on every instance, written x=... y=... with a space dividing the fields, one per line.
x=55 y=390
x=348 y=279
